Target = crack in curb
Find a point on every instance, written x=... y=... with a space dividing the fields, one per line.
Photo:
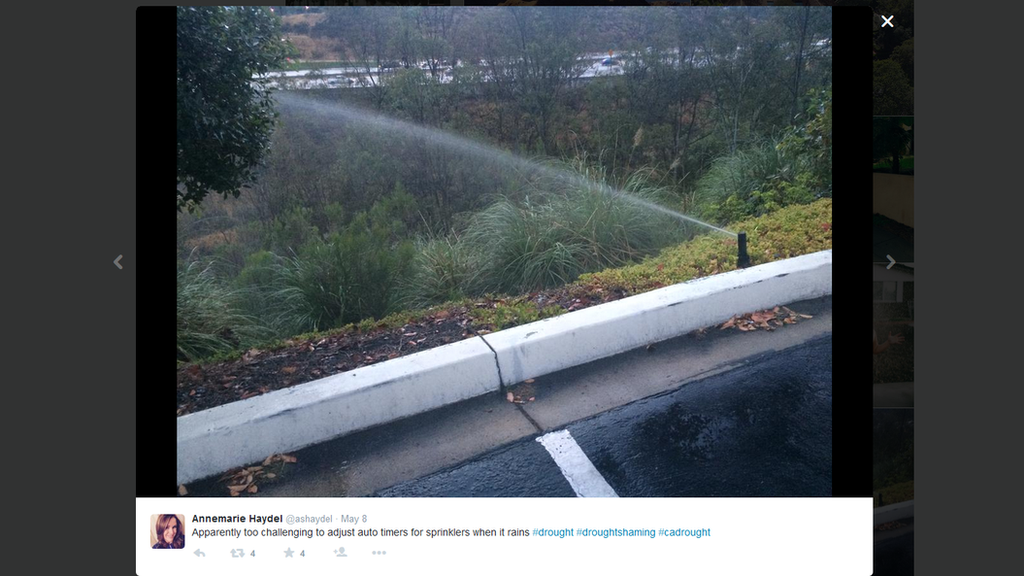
x=501 y=380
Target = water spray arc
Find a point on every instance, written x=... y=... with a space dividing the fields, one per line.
x=489 y=153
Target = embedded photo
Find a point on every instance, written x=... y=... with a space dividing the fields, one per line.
x=559 y=252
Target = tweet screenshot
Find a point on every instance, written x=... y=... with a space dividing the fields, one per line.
x=489 y=289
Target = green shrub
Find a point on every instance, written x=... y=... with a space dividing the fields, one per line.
x=726 y=192
x=795 y=169
x=572 y=227
x=258 y=270
x=292 y=229
x=349 y=276
x=209 y=318
x=439 y=272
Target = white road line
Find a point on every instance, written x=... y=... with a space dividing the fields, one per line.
x=585 y=480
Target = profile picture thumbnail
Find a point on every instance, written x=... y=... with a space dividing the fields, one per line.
x=167 y=531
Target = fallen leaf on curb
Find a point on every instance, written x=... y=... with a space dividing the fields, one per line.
x=182 y=491
x=531 y=398
x=530 y=381
x=510 y=397
x=252 y=489
x=289 y=458
x=271 y=475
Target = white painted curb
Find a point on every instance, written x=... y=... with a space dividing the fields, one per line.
x=221 y=438
x=235 y=434
x=893 y=512
x=590 y=334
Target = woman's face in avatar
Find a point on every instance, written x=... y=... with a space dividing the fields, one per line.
x=171 y=531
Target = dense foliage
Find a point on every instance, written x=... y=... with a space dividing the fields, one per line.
x=722 y=115
x=224 y=120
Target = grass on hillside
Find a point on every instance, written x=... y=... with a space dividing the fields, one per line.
x=906 y=165
x=785 y=233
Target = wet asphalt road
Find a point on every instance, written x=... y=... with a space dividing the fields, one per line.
x=764 y=429
x=895 y=556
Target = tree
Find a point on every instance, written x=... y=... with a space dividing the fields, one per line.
x=890 y=139
x=904 y=56
x=549 y=60
x=892 y=92
x=225 y=118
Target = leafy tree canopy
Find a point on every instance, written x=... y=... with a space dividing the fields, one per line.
x=892 y=91
x=224 y=118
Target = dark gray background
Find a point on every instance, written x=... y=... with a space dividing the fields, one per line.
x=73 y=159
x=967 y=213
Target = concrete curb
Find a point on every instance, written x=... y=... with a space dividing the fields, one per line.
x=894 y=512
x=590 y=334
x=223 y=437
x=215 y=440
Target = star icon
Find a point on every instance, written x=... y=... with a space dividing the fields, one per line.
x=288 y=553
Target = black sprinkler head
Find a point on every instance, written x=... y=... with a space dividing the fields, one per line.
x=744 y=260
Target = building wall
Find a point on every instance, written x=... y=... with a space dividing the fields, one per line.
x=893 y=197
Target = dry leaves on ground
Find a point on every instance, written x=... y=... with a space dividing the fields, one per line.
x=243 y=480
x=764 y=319
x=522 y=393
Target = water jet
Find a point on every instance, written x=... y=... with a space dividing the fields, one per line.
x=478 y=149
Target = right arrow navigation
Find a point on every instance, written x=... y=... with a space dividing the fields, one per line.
x=891 y=262
x=117 y=261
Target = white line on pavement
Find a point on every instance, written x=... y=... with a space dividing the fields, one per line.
x=585 y=480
